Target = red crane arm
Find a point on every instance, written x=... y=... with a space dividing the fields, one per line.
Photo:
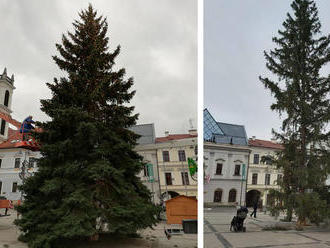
x=10 y=120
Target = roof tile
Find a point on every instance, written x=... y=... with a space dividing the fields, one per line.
x=174 y=137
x=265 y=144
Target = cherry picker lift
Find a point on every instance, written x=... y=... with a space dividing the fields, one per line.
x=22 y=139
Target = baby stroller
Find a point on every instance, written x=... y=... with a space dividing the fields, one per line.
x=238 y=220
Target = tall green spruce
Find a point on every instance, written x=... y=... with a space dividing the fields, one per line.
x=87 y=179
x=302 y=98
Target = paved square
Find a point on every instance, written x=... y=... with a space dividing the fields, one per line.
x=217 y=232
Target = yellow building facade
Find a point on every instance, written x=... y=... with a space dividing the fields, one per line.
x=173 y=152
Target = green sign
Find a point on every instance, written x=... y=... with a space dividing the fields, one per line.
x=150 y=173
x=192 y=166
x=243 y=172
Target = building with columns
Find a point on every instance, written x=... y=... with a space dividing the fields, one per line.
x=226 y=161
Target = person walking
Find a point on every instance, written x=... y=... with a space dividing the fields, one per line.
x=255 y=207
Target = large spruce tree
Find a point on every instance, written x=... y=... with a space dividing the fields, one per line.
x=87 y=178
x=302 y=96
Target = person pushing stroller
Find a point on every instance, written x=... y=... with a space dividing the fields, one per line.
x=237 y=222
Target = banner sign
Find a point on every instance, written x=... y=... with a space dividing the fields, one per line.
x=243 y=172
x=151 y=178
x=192 y=166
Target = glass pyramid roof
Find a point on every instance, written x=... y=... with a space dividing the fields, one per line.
x=211 y=127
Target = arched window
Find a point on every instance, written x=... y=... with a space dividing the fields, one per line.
x=232 y=195
x=217 y=195
x=6 y=98
x=3 y=127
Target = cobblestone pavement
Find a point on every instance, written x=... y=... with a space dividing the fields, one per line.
x=149 y=238
x=217 y=233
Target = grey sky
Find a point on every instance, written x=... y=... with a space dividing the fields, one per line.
x=159 y=49
x=235 y=35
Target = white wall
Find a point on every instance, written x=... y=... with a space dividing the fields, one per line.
x=228 y=157
x=9 y=174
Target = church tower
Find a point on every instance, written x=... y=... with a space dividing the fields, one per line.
x=6 y=95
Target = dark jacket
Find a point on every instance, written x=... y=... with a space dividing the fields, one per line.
x=255 y=206
x=26 y=125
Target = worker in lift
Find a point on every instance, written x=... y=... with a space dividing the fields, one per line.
x=27 y=126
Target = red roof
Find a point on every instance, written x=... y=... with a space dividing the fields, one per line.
x=175 y=137
x=265 y=144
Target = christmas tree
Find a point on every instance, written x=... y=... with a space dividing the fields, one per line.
x=302 y=96
x=87 y=178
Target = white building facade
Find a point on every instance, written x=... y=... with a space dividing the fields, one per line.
x=225 y=168
x=11 y=165
x=226 y=162
x=6 y=95
x=173 y=152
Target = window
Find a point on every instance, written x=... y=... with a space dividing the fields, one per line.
x=6 y=98
x=217 y=195
x=182 y=155
x=168 y=177
x=17 y=162
x=3 y=127
x=185 y=178
x=279 y=178
x=0 y=162
x=267 y=179
x=219 y=169
x=256 y=159
x=255 y=178
x=32 y=162
x=0 y=187
x=145 y=170
x=14 y=187
x=232 y=195
x=237 y=169
x=166 y=156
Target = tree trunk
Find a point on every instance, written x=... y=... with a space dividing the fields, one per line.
x=289 y=214
x=94 y=237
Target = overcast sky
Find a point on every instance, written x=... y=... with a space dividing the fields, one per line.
x=158 y=49
x=235 y=35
